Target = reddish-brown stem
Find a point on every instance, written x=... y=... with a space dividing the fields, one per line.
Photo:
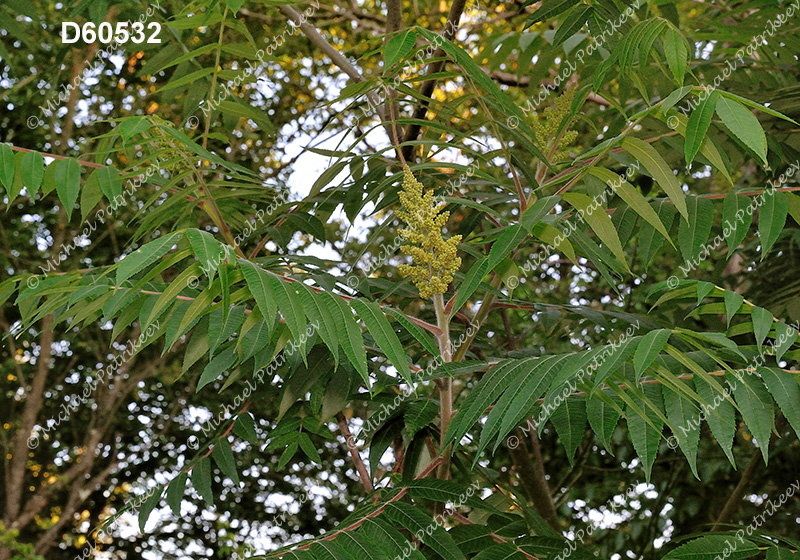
x=366 y=479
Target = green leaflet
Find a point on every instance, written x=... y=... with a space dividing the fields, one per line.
x=350 y=337
x=245 y=428
x=569 y=420
x=736 y=220
x=756 y=407
x=472 y=280
x=547 y=10
x=7 y=169
x=90 y=195
x=68 y=183
x=530 y=391
x=645 y=438
x=442 y=491
x=223 y=457
x=694 y=233
x=398 y=47
x=287 y=294
x=146 y=255
x=673 y=98
x=650 y=241
x=743 y=125
x=321 y=315
x=676 y=53
x=149 y=505
x=603 y=417
x=131 y=126
x=170 y=293
x=201 y=479
x=110 y=182
x=733 y=302
x=595 y=215
x=632 y=197
x=221 y=328
x=771 y=219
x=708 y=149
x=721 y=417
x=418 y=523
x=775 y=553
x=614 y=361
x=762 y=323
x=32 y=171
x=49 y=180
x=785 y=336
x=383 y=333
x=538 y=210
x=572 y=24
x=419 y=414
x=260 y=287
x=502 y=551
x=175 y=491
x=785 y=389
x=686 y=415
x=555 y=237
x=208 y=250
x=217 y=366
x=423 y=337
x=697 y=127
x=660 y=171
x=385 y=535
x=507 y=242
x=710 y=547
x=236 y=108
x=496 y=380
x=650 y=346
x=185 y=80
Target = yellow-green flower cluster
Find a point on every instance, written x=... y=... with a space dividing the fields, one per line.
x=549 y=122
x=435 y=259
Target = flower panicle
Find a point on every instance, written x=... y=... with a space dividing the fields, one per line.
x=435 y=259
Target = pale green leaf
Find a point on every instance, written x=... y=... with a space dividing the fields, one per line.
x=649 y=348
x=383 y=333
x=659 y=170
x=398 y=47
x=595 y=215
x=144 y=256
x=697 y=127
x=743 y=125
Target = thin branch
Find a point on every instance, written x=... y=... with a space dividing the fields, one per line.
x=535 y=486
x=336 y=57
x=735 y=499
x=426 y=90
x=366 y=479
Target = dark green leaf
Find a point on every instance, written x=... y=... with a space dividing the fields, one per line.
x=68 y=183
x=201 y=479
